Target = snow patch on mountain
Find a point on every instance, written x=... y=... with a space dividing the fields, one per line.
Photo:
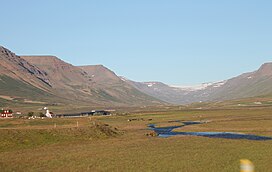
x=150 y=84
x=218 y=84
x=123 y=78
x=198 y=87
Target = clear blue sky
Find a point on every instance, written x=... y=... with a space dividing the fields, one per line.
x=173 y=41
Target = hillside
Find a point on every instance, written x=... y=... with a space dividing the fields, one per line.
x=104 y=79
x=66 y=80
x=90 y=84
x=50 y=80
x=18 y=68
x=21 y=81
x=252 y=84
x=160 y=90
x=100 y=74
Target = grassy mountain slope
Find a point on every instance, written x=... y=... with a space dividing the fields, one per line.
x=47 y=79
x=14 y=66
x=22 y=82
x=89 y=84
x=248 y=85
x=160 y=91
x=106 y=80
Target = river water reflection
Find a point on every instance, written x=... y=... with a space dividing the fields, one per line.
x=168 y=131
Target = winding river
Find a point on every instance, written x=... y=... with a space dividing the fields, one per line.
x=168 y=131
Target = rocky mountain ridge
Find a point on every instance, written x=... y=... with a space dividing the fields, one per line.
x=55 y=81
x=252 y=84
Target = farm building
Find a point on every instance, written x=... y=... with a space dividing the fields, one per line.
x=6 y=113
x=91 y=113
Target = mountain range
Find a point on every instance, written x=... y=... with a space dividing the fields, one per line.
x=50 y=80
x=247 y=85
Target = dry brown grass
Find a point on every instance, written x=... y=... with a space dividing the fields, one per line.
x=133 y=151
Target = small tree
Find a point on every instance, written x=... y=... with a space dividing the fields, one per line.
x=30 y=114
x=41 y=115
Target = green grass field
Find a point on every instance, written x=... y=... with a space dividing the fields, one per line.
x=112 y=143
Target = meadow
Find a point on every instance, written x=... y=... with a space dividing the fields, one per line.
x=120 y=142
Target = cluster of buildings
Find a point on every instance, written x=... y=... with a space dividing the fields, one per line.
x=6 y=113
x=91 y=113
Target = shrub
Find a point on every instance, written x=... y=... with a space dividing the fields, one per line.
x=30 y=114
x=41 y=115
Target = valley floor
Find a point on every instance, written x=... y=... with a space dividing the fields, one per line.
x=120 y=143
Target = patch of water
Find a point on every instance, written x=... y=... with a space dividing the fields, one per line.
x=168 y=132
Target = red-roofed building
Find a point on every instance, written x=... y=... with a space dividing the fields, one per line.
x=6 y=113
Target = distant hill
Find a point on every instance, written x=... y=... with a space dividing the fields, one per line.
x=101 y=75
x=22 y=81
x=252 y=84
x=18 y=68
x=160 y=90
x=104 y=79
x=48 y=79
x=66 y=80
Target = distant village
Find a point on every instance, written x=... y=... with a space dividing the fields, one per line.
x=8 y=113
